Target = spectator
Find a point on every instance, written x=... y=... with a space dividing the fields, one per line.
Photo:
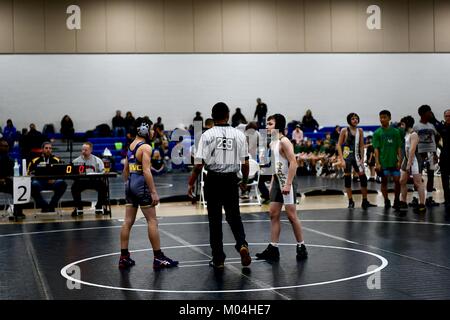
x=209 y=123
x=129 y=120
x=6 y=172
x=91 y=164
x=67 y=130
x=335 y=134
x=297 y=134
x=198 y=117
x=118 y=124
x=10 y=133
x=34 y=140
x=37 y=185
x=157 y=163
x=260 y=113
x=238 y=118
x=158 y=124
x=444 y=131
x=309 y=124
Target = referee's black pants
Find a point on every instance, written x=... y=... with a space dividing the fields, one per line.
x=221 y=190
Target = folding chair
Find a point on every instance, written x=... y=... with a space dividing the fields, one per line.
x=47 y=195
x=90 y=196
x=253 y=177
x=202 y=185
x=6 y=202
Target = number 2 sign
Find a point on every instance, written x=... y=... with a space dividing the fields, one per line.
x=22 y=190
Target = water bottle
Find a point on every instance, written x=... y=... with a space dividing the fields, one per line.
x=16 y=169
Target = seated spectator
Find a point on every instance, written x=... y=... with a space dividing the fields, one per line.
x=91 y=164
x=118 y=124
x=335 y=134
x=59 y=186
x=297 y=134
x=10 y=133
x=6 y=172
x=309 y=124
x=158 y=123
x=157 y=163
x=238 y=118
x=34 y=140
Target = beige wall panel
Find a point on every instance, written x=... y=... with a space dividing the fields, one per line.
x=263 y=26
x=120 y=26
x=369 y=40
x=92 y=36
x=208 y=26
x=421 y=26
x=395 y=29
x=149 y=25
x=442 y=25
x=29 y=33
x=6 y=26
x=179 y=25
x=236 y=25
x=317 y=26
x=57 y=37
x=290 y=26
x=344 y=20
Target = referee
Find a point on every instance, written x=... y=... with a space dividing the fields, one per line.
x=221 y=149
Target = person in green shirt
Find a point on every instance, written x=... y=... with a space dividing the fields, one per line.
x=388 y=156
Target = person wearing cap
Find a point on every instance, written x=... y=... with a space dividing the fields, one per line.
x=222 y=149
x=141 y=192
x=297 y=134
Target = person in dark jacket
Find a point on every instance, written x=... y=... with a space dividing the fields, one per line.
x=59 y=186
x=444 y=161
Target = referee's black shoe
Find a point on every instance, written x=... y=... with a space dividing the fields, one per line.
x=246 y=259
x=270 y=254
x=217 y=265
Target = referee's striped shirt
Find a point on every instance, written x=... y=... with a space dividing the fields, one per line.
x=222 y=148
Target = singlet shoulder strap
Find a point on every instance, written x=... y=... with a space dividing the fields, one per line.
x=137 y=147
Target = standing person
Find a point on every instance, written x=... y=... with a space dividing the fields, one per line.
x=260 y=113
x=427 y=149
x=352 y=139
x=238 y=118
x=118 y=124
x=444 y=162
x=222 y=149
x=283 y=190
x=370 y=156
x=410 y=166
x=388 y=155
x=91 y=164
x=141 y=191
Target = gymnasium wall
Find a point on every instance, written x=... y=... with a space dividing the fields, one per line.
x=90 y=87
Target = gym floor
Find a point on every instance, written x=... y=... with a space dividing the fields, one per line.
x=353 y=254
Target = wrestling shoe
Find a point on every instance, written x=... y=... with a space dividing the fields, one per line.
x=126 y=262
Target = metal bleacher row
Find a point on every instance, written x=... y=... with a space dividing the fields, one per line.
x=117 y=145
